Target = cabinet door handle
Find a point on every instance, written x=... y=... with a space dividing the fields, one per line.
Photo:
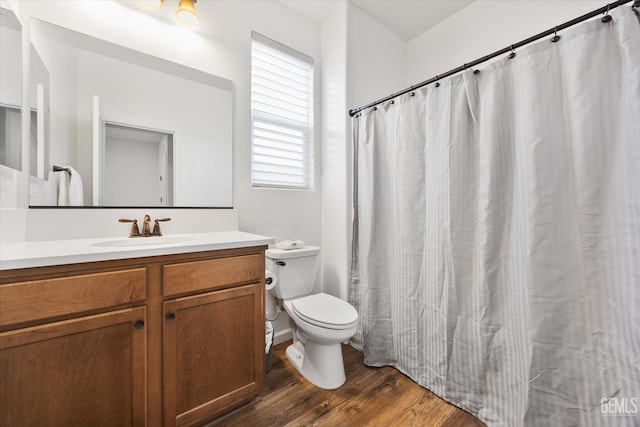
x=171 y=317
x=139 y=324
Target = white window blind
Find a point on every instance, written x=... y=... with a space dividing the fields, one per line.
x=281 y=116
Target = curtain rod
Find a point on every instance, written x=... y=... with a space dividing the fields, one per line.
x=603 y=10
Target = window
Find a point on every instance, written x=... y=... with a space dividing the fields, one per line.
x=281 y=116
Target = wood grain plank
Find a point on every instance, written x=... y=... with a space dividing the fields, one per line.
x=64 y=270
x=370 y=397
x=294 y=396
x=460 y=418
x=99 y=366
x=210 y=352
x=190 y=277
x=415 y=408
x=49 y=298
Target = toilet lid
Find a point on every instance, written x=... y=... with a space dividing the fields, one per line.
x=325 y=310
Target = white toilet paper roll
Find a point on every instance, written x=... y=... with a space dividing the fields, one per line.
x=270 y=279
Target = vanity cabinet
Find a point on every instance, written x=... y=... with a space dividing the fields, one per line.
x=61 y=365
x=210 y=353
x=169 y=340
x=88 y=371
x=213 y=341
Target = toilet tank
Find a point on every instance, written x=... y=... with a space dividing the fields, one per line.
x=295 y=270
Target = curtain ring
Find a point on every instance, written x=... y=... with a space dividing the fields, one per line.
x=437 y=82
x=607 y=18
x=555 y=37
x=412 y=92
x=471 y=69
x=513 y=53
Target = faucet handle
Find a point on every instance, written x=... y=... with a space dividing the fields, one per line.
x=156 y=226
x=135 y=231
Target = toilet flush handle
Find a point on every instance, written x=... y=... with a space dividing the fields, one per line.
x=281 y=263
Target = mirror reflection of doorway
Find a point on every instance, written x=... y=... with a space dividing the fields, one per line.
x=138 y=167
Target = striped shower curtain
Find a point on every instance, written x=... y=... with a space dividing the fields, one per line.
x=496 y=243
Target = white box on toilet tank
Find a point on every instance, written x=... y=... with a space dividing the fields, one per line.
x=295 y=269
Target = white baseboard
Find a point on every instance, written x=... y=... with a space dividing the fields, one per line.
x=282 y=336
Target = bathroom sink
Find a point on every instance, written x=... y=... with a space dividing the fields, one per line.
x=143 y=241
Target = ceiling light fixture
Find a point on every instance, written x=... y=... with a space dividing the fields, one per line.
x=186 y=14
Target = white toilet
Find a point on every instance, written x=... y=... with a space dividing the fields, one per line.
x=319 y=322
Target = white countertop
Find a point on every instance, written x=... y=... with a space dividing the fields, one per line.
x=59 y=252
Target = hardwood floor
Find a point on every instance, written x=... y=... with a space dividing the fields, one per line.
x=370 y=397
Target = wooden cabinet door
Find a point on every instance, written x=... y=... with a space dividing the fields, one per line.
x=213 y=353
x=88 y=371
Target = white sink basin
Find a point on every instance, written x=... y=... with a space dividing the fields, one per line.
x=143 y=241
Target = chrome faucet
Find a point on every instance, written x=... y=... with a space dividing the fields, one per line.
x=146 y=226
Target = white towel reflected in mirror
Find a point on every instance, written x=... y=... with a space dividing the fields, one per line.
x=70 y=188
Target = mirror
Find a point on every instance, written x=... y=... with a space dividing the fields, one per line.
x=139 y=130
x=10 y=89
x=129 y=149
x=39 y=108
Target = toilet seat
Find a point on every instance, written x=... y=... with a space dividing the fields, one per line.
x=325 y=311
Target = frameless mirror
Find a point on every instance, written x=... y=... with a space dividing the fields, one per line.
x=10 y=89
x=139 y=130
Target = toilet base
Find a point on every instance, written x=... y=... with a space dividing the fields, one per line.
x=321 y=365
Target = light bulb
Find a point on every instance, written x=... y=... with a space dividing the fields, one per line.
x=186 y=14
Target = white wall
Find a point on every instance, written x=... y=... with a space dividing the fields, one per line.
x=13 y=222
x=483 y=27
x=334 y=152
x=8 y=189
x=375 y=59
x=362 y=61
x=61 y=224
